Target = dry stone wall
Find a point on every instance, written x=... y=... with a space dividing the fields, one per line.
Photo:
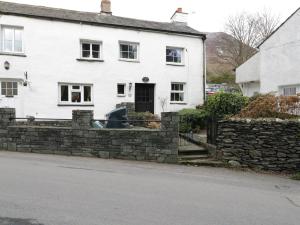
x=266 y=144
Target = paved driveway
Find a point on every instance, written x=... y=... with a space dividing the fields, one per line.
x=57 y=190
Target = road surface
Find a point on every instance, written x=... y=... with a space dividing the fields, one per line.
x=58 y=190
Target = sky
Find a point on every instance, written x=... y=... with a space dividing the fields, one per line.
x=204 y=15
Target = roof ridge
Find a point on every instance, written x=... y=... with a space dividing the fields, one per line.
x=45 y=12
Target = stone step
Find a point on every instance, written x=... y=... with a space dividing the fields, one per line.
x=192 y=157
x=192 y=150
x=202 y=162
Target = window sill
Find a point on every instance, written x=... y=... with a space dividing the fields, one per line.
x=80 y=105
x=178 y=103
x=13 y=54
x=130 y=60
x=90 y=60
x=121 y=96
x=175 y=64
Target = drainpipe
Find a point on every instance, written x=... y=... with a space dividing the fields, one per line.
x=204 y=69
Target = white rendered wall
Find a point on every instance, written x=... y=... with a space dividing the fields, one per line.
x=249 y=71
x=249 y=89
x=52 y=48
x=280 y=57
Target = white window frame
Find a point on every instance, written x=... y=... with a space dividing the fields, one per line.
x=2 y=28
x=137 y=49
x=9 y=81
x=182 y=56
x=286 y=90
x=91 y=43
x=121 y=95
x=178 y=91
x=71 y=90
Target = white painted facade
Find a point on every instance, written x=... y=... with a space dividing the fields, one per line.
x=53 y=47
x=276 y=67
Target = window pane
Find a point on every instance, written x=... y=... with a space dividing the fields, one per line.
x=172 y=97
x=86 y=47
x=76 y=96
x=18 y=41
x=96 y=55
x=15 y=91
x=3 y=85
x=124 y=48
x=86 y=54
x=124 y=55
x=96 y=48
x=9 y=85
x=87 y=94
x=64 y=90
x=9 y=92
x=8 y=39
x=121 y=89
x=131 y=55
x=15 y=85
x=76 y=87
x=3 y=91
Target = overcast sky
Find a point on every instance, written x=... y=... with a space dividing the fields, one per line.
x=205 y=15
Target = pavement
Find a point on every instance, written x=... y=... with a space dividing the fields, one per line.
x=58 y=190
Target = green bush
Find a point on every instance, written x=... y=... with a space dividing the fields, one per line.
x=223 y=104
x=296 y=176
x=192 y=120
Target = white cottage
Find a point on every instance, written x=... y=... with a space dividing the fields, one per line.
x=276 y=67
x=55 y=60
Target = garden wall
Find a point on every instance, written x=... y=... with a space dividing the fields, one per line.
x=159 y=145
x=265 y=144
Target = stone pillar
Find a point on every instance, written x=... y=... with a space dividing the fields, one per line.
x=170 y=122
x=81 y=119
x=5 y=120
x=5 y=115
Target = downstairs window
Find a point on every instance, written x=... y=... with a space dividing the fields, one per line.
x=78 y=94
x=9 y=89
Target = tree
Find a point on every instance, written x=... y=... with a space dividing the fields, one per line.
x=246 y=31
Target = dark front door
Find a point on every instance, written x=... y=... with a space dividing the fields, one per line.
x=144 y=98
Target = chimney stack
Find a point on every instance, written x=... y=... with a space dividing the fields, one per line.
x=179 y=16
x=106 y=7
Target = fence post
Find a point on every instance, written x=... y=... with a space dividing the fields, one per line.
x=81 y=119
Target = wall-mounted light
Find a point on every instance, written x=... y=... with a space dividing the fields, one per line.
x=130 y=86
x=25 y=83
x=6 y=65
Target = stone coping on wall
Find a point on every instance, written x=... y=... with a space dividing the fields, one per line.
x=253 y=120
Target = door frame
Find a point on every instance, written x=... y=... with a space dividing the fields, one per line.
x=154 y=93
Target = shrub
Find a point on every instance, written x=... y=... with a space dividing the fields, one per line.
x=270 y=106
x=192 y=120
x=144 y=117
x=296 y=176
x=222 y=104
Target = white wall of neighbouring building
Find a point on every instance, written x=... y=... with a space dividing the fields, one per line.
x=277 y=64
x=53 y=47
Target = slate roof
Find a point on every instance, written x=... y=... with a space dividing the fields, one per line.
x=48 y=13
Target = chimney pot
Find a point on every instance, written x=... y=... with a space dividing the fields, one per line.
x=106 y=7
x=179 y=10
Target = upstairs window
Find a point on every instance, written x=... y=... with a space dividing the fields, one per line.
x=12 y=40
x=177 y=92
x=129 y=51
x=78 y=94
x=91 y=50
x=174 y=55
x=9 y=89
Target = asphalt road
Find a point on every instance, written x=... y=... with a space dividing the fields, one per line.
x=58 y=190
